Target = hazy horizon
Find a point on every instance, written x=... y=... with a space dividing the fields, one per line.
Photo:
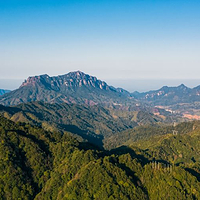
x=109 y=39
x=130 y=85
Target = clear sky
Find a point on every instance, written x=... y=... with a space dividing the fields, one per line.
x=115 y=40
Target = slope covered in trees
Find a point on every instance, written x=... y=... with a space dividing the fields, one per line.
x=38 y=164
x=146 y=133
x=24 y=159
x=180 y=148
x=92 y=123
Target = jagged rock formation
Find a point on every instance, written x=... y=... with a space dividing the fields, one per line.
x=74 y=87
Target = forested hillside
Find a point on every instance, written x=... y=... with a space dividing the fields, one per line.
x=87 y=140
x=147 y=132
x=38 y=164
x=92 y=123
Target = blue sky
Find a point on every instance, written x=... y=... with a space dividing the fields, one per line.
x=111 y=39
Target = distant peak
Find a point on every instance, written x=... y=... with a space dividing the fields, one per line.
x=31 y=80
x=78 y=73
x=164 y=87
x=182 y=86
x=38 y=77
x=44 y=75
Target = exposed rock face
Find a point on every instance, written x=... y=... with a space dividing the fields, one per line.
x=74 y=87
x=70 y=80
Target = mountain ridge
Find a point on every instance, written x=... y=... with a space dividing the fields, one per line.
x=74 y=87
x=170 y=95
x=80 y=88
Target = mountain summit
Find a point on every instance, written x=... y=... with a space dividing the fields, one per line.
x=170 y=95
x=74 y=87
x=71 y=81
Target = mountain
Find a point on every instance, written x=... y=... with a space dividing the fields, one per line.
x=3 y=91
x=181 y=100
x=74 y=87
x=170 y=95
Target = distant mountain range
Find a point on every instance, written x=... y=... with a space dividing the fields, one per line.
x=3 y=91
x=170 y=95
x=80 y=88
x=74 y=87
x=75 y=137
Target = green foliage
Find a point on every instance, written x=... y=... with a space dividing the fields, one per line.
x=91 y=123
x=136 y=134
x=177 y=184
x=37 y=164
x=148 y=135
x=24 y=158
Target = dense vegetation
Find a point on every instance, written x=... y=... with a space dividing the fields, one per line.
x=55 y=150
x=91 y=123
x=179 y=149
x=24 y=159
x=38 y=164
x=143 y=134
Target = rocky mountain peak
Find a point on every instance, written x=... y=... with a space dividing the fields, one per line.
x=182 y=86
x=32 y=80
x=78 y=79
x=71 y=80
x=78 y=75
x=74 y=87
